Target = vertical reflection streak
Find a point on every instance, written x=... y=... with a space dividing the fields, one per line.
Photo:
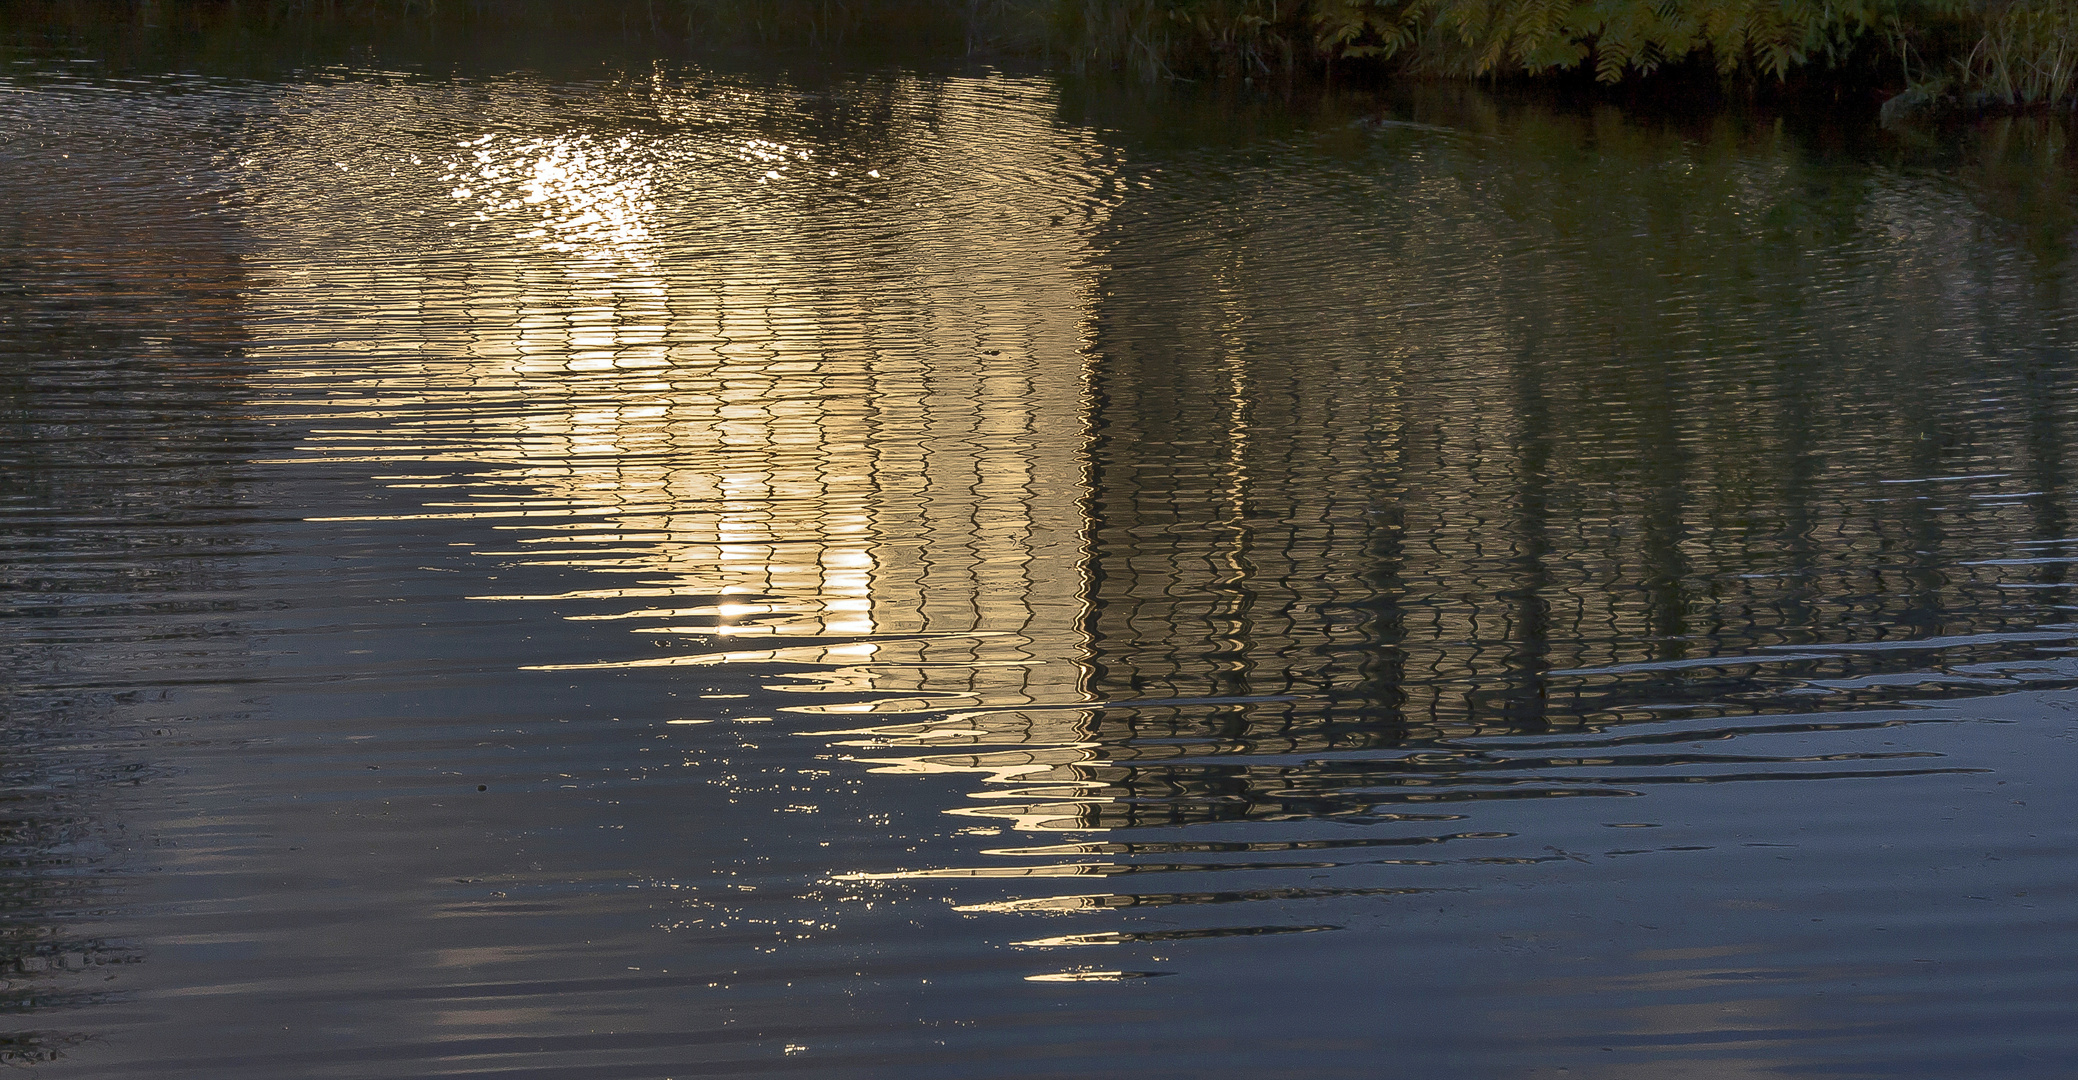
x=1234 y=613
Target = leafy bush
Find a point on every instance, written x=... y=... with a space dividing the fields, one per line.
x=1616 y=37
x=2028 y=54
x=2005 y=52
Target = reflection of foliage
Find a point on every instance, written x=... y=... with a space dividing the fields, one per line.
x=2022 y=180
x=1648 y=328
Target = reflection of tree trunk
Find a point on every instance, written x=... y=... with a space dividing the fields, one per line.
x=1530 y=645
x=1918 y=552
x=2045 y=453
x=1794 y=610
x=1664 y=474
x=1382 y=668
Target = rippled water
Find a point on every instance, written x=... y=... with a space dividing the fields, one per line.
x=694 y=573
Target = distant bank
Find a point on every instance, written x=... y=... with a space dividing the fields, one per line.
x=1955 y=54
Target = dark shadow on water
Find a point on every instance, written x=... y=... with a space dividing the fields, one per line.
x=124 y=425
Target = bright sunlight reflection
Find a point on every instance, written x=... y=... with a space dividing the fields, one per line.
x=636 y=367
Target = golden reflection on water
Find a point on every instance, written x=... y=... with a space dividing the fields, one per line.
x=798 y=405
x=818 y=397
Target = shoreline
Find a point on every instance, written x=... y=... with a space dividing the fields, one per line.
x=1936 y=57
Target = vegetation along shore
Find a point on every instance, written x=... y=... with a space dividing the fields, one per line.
x=1957 y=54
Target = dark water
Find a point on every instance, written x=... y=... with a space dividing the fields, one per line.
x=688 y=574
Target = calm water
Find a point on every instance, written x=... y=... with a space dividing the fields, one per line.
x=678 y=573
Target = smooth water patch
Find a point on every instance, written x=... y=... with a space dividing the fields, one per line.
x=704 y=573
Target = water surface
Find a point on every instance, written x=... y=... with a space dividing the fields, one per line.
x=680 y=571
